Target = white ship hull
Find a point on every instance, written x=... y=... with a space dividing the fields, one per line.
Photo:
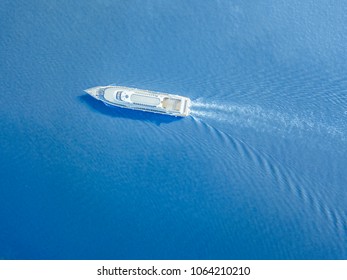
x=144 y=100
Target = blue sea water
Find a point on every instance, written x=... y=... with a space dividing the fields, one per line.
x=257 y=172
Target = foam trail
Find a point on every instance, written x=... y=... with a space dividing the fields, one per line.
x=256 y=117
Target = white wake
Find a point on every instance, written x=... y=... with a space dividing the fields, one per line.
x=260 y=119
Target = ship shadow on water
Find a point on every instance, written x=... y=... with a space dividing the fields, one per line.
x=114 y=112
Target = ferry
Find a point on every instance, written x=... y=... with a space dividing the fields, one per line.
x=143 y=100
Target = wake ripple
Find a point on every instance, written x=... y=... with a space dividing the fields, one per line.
x=286 y=180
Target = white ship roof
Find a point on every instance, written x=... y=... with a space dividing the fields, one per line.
x=143 y=100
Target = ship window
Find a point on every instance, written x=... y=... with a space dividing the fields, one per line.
x=118 y=95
